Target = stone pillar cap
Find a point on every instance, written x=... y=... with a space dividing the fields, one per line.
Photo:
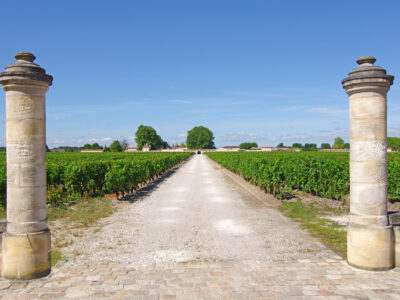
x=367 y=70
x=25 y=68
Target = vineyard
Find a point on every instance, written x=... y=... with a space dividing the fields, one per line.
x=72 y=175
x=322 y=174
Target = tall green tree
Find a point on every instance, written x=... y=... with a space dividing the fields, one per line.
x=247 y=145
x=148 y=135
x=310 y=147
x=339 y=143
x=280 y=145
x=95 y=146
x=200 y=137
x=325 y=146
x=116 y=146
x=297 y=145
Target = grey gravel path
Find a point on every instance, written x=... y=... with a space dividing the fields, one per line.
x=194 y=236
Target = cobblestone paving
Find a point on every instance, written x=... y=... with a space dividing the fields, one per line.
x=258 y=254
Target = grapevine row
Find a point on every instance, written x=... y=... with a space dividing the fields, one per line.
x=78 y=174
x=322 y=174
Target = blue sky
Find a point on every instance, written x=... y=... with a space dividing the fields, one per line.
x=264 y=71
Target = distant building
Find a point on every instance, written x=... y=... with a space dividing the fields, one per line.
x=92 y=150
x=266 y=148
x=178 y=149
x=146 y=148
x=229 y=148
x=131 y=149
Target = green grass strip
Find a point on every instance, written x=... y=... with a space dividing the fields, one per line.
x=329 y=232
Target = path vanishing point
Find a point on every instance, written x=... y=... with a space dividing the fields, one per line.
x=198 y=235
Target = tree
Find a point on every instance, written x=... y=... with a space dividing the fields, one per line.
x=280 y=145
x=95 y=146
x=116 y=146
x=339 y=143
x=325 y=146
x=200 y=138
x=148 y=135
x=183 y=145
x=297 y=145
x=247 y=145
x=86 y=146
x=346 y=145
x=124 y=144
x=393 y=142
x=310 y=147
x=165 y=145
x=106 y=149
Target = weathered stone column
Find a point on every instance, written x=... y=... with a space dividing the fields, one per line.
x=26 y=244
x=369 y=237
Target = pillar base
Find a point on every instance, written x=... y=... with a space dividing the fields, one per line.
x=26 y=256
x=370 y=247
x=396 y=230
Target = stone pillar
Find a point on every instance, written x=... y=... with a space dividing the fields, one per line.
x=369 y=237
x=26 y=244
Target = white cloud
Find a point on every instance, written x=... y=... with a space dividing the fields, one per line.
x=329 y=111
x=58 y=142
x=82 y=141
x=180 y=138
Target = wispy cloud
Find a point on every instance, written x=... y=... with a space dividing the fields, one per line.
x=333 y=111
x=181 y=101
x=239 y=137
x=103 y=140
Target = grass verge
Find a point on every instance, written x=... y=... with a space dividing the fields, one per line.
x=84 y=213
x=311 y=218
x=56 y=256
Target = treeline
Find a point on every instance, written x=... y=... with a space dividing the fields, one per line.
x=338 y=144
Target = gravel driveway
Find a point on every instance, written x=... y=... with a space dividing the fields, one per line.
x=197 y=235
